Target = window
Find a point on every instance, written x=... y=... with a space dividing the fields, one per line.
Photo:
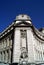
x=23 y=33
x=23 y=38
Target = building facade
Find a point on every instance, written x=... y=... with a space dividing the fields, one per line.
x=21 y=42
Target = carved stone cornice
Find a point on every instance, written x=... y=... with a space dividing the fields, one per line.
x=38 y=33
x=26 y=24
x=14 y=25
x=7 y=30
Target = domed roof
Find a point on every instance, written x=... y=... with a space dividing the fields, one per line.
x=21 y=17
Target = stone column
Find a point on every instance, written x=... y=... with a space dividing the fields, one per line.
x=23 y=41
x=9 y=55
x=6 y=57
x=16 y=46
x=4 y=43
x=0 y=56
x=30 y=45
x=7 y=41
x=10 y=42
x=42 y=53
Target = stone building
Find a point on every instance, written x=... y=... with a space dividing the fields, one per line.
x=21 y=42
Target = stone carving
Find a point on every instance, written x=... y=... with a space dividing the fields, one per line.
x=24 y=53
x=24 y=56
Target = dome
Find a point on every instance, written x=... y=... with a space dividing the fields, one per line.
x=21 y=17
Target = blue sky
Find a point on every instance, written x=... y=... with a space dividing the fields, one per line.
x=9 y=9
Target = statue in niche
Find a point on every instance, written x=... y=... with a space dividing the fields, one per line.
x=24 y=57
x=23 y=53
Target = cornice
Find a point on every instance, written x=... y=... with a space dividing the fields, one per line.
x=7 y=30
x=38 y=33
x=13 y=25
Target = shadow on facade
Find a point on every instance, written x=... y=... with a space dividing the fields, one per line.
x=27 y=64
x=20 y=64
